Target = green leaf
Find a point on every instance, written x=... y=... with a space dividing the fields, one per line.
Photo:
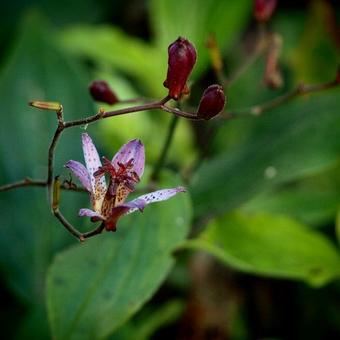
x=196 y=20
x=314 y=200
x=94 y=287
x=284 y=146
x=270 y=245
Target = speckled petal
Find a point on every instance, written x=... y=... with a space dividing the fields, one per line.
x=131 y=150
x=90 y=213
x=93 y=162
x=156 y=196
x=81 y=173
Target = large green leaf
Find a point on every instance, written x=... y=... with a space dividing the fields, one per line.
x=94 y=287
x=299 y=138
x=270 y=245
x=196 y=20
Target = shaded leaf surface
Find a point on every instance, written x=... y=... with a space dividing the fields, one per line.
x=270 y=245
x=314 y=200
x=94 y=287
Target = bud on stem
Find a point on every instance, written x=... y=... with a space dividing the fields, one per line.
x=101 y=92
x=181 y=60
x=56 y=194
x=212 y=102
x=52 y=106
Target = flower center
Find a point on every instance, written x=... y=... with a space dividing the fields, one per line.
x=122 y=181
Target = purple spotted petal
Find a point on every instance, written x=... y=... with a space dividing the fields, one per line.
x=93 y=162
x=81 y=173
x=131 y=150
x=156 y=196
x=90 y=213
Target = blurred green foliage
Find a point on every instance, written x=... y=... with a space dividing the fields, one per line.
x=266 y=194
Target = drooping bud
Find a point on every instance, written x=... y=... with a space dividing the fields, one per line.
x=56 y=193
x=272 y=75
x=181 y=60
x=101 y=92
x=53 y=106
x=212 y=102
x=264 y=9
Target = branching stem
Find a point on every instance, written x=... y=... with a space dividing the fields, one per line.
x=160 y=105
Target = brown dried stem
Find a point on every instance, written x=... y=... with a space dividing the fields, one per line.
x=29 y=182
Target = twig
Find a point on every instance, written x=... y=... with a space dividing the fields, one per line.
x=50 y=160
x=28 y=182
x=93 y=232
x=80 y=236
x=67 y=224
x=180 y=113
x=301 y=89
x=23 y=183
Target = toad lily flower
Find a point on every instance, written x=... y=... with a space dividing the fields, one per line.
x=124 y=171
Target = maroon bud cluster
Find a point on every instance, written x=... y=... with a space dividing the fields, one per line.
x=264 y=9
x=181 y=60
x=212 y=102
x=101 y=92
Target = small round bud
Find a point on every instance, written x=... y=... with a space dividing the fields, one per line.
x=181 y=60
x=101 y=92
x=212 y=102
x=264 y=9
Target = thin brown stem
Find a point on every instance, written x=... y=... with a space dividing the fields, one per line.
x=301 y=89
x=67 y=224
x=28 y=182
x=180 y=113
x=108 y=114
x=50 y=159
x=93 y=232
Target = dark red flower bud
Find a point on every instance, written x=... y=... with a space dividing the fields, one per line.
x=181 y=60
x=212 y=102
x=101 y=92
x=264 y=9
